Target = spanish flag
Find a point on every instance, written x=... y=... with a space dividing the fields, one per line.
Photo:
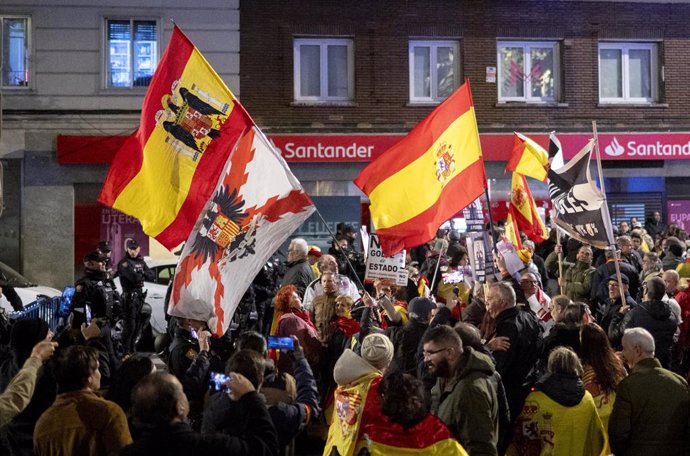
x=528 y=158
x=522 y=213
x=167 y=170
x=427 y=177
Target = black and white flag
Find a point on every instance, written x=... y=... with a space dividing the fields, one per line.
x=580 y=206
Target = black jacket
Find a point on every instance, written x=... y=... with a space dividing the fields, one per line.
x=605 y=312
x=518 y=363
x=406 y=340
x=188 y=364
x=655 y=317
x=259 y=437
x=562 y=335
x=601 y=276
x=567 y=390
x=133 y=272
x=299 y=274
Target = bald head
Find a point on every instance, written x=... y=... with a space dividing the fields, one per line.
x=327 y=263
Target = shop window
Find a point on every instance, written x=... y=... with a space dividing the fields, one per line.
x=528 y=71
x=434 y=70
x=628 y=73
x=16 y=48
x=323 y=70
x=132 y=52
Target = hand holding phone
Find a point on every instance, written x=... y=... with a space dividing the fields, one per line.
x=281 y=343
x=218 y=381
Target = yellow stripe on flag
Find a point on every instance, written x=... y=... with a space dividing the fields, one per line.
x=421 y=174
x=166 y=173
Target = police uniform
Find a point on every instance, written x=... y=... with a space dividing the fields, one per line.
x=132 y=272
x=94 y=295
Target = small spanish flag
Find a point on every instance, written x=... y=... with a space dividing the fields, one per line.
x=528 y=158
x=427 y=177
x=522 y=212
x=167 y=170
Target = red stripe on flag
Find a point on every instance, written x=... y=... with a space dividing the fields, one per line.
x=205 y=179
x=417 y=142
x=467 y=186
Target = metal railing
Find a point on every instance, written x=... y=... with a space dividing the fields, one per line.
x=44 y=308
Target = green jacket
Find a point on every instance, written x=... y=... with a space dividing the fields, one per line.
x=578 y=277
x=469 y=403
x=650 y=414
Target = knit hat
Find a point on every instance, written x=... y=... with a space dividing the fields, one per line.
x=377 y=350
x=524 y=255
x=419 y=308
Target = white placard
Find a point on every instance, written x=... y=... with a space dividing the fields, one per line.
x=382 y=267
x=490 y=74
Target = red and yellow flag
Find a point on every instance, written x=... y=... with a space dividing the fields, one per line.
x=528 y=158
x=427 y=177
x=168 y=169
x=523 y=214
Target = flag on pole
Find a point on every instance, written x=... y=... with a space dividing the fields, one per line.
x=167 y=170
x=580 y=206
x=257 y=204
x=528 y=158
x=427 y=177
x=555 y=152
x=523 y=213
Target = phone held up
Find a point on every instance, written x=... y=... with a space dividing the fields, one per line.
x=281 y=343
x=218 y=380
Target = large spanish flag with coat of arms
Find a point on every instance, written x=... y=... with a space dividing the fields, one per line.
x=168 y=169
x=427 y=177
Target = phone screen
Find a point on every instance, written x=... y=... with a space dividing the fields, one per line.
x=281 y=343
x=218 y=380
x=87 y=310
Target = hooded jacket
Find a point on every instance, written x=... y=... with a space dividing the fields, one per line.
x=654 y=316
x=473 y=403
x=559 y=419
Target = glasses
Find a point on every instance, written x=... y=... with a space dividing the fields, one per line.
x=428 y=353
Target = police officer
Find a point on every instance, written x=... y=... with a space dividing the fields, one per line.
x=105 y=250
x=132 y=271
x=94 y=293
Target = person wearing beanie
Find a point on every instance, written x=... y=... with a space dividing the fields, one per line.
x=356 y=398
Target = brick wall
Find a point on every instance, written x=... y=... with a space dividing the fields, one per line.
x=381 y=32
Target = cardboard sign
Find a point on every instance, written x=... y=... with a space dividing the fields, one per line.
x=382 y=267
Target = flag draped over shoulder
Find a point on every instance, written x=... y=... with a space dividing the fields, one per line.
x=580 y=206
x=528 y=158
x=257 y=204
x=427 y=177
x=523 y=213
x=167 y=170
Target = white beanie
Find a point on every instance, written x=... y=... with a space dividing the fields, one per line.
x=377 y=350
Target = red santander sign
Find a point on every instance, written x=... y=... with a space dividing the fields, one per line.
x=495 y=146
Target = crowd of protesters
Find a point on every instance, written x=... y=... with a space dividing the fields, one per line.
x=562 y=357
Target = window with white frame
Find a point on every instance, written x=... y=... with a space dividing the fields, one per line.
x=528 y=71
x=628 y=72
x=15 y=51
x=434 y=70
x=323 y=69
x=131 y=52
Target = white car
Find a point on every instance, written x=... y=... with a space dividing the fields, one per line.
x=27 y=291
x=164 y=271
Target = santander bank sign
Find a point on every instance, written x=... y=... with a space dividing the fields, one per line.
x=495 y=146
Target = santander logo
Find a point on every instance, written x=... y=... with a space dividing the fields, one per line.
x=614 y=149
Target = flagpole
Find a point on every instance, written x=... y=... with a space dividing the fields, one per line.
x=616 y=253
x=561 y=279
x=444 y=249
x=335 y=242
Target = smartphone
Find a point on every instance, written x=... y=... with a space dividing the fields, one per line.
x=281 y=343
x=218 y=380
x=87 y=310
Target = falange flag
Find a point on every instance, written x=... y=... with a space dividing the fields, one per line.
x=580 y=206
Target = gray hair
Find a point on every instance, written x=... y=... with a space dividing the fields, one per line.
x=506 y=291
x=563 y=360
x=640 y=337
x=529 y=245
x=301 y=246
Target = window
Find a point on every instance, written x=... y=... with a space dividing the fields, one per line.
x=132 y=52
x=628 y=72
x=324 y=69
x=434 y=70
x=528 y=71
x=15 y=51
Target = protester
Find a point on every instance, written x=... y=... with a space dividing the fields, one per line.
x=133 y=369
x=80 y=422
x=160 y=407
x=654 y=225
x=615 y=301
x=606 y=270
x=651 y=411
x=328 y=263
x=291 y=319
x=468 y=396
x=536 y=299
x=673 y=254
x=323 y=307
x=299 y=272
x=559 y=417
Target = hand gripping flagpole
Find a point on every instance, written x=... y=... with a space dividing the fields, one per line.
x=603 y=190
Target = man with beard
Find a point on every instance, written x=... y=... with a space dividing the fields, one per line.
x=468 y=396
x=577 y=277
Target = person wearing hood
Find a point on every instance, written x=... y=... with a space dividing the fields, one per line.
x=559 y=417
x=356 y=398
x=654 y=315
x=468 y=396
